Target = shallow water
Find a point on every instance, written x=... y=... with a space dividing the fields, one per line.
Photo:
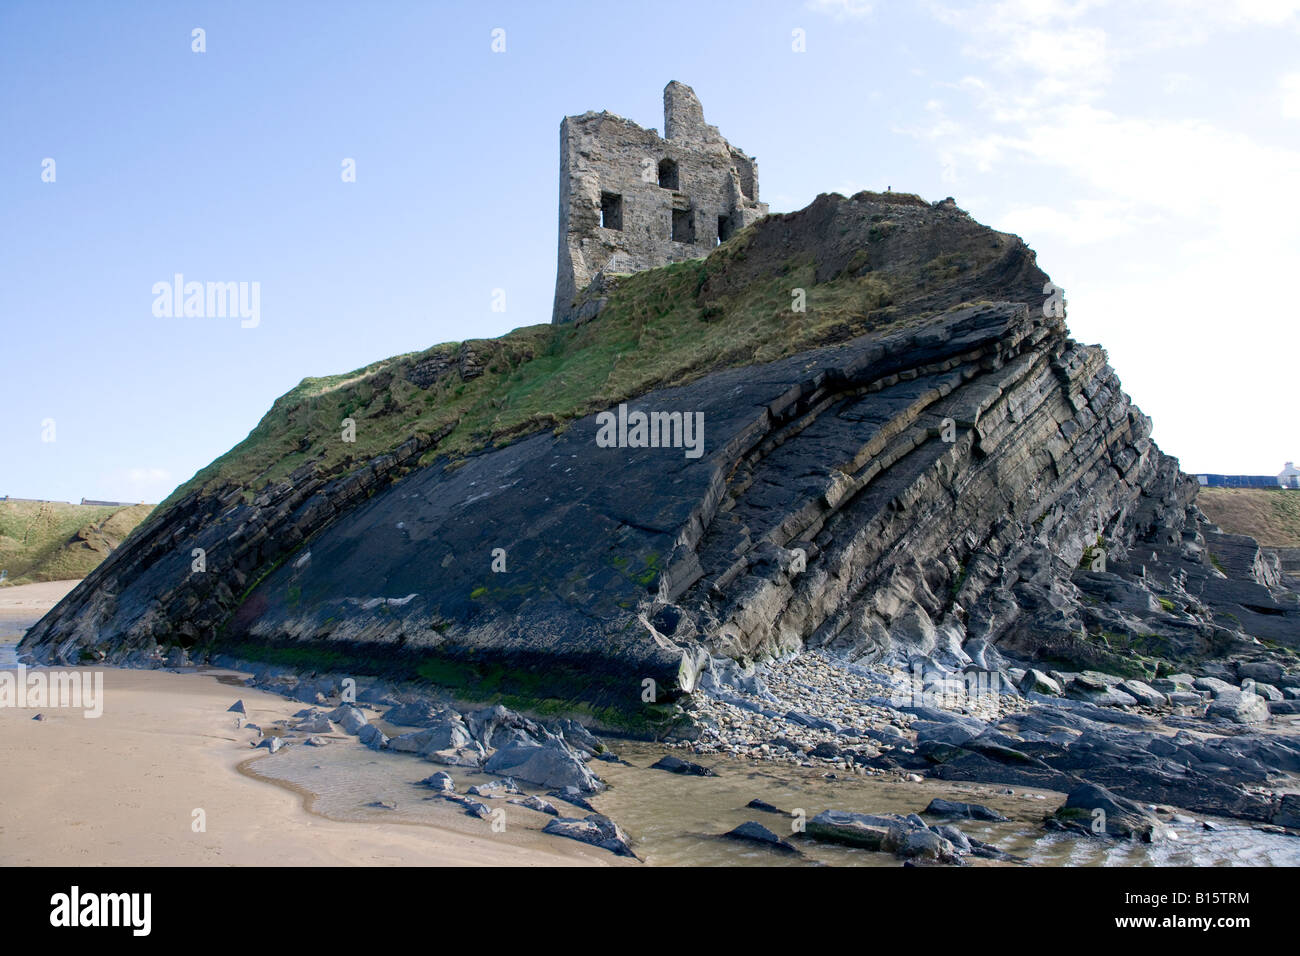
x=677 y=820
x=339 y=780
x=8 y=655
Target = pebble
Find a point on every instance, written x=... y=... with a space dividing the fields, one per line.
x=818 y=687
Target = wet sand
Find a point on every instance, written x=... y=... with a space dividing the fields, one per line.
x=121 y=790
x=23 y=605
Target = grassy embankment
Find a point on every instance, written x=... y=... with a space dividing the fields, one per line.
x=658 y=329
x=57 y=541
x=1270 y=516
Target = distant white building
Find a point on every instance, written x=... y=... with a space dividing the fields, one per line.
x=1289 y=476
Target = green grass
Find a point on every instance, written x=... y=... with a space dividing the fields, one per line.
x=57 y=541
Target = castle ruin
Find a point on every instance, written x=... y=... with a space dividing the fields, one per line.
x=632 y=200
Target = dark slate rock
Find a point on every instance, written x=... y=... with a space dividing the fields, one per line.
x=677 y=765
x=969 y=811
x=1096 y=811
x=596 y=829
x=752 y=832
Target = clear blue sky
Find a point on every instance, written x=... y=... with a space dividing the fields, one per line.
x=1152 y=160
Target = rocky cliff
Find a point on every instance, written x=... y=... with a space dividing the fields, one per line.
x=922 y=462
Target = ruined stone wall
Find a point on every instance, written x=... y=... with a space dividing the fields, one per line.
x=632 y=200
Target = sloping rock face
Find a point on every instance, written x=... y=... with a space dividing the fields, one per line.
x=964 y=479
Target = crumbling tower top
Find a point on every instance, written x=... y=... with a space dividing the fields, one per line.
x=683 y=114
x=632 y=200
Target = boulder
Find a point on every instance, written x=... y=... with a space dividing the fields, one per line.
x=470 y=756
x=1145 y=695
x=1267 y=691
x=960 y=841
x=677 y=765
x=861 y=830
x=349 y=718
x=316 y=724
x=494 y=787
x=1288 y=811
x=1036 y=682
x=553 y=764
x=579 y=736
x=538 y=804
x=1214 y=685
x=752 y=832
x=1261 y=671
x=1096 y=690
x=445 y=734
x=1239 y=707
x=596 y=829
x=574 y=796
x=1093 y=809
x=927 y=845
x=440 y=781
x=418 y=713
x=954 y=735
x=499 y=726
x=968 y=811
x=473 y=808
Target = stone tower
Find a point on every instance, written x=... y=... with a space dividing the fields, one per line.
x=632 y=200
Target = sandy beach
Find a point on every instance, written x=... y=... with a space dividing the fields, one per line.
x=121 y=789
x=23 y=606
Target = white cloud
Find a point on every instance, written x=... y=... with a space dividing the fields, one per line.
x=1272 y=12
x=1290 y=84
x=1174 y=235
x=1079 y=222
x=841 y=9
x=148 y=476
x=1042 y=38
x=136 y=484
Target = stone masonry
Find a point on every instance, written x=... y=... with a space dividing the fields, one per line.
x=632 y=200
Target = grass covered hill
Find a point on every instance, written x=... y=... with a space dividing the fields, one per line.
x=880 y=259
x=1270 y=516
x=57 y=541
